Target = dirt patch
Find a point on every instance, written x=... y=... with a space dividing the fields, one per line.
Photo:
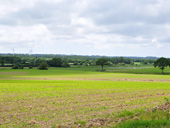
x=91 y=79
x=13 y=73
x=96 y=123
x=163 y=107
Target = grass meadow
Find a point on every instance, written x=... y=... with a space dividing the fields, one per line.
x=121 y=97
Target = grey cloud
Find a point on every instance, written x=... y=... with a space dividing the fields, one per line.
x=42 y=12
x=165 y=39
x=133 y=30
x=8 y=21
x=111 y=12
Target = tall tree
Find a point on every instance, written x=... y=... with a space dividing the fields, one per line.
x=161 y=63
x=101 y=61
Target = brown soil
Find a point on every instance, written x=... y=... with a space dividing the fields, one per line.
x=13 y=73
x=91 y=79
x=163 y=107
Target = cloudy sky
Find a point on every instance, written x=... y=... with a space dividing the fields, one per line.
x=86 y=27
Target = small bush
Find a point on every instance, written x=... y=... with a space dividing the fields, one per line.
x=30 y=67
x=15 y=67
x=21 y=67
x=66 y=64
x=43 y=66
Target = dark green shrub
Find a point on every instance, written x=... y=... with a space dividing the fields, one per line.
x=16 y=66
x=30 y=67
x=21 y=67
x=43 y=66
x=66 y=64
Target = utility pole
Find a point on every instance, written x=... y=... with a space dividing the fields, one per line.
x=13 y=50
x=30 y=51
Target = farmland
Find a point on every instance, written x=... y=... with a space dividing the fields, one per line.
x=80 y=96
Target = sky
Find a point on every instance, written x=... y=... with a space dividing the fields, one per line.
x=86 y=27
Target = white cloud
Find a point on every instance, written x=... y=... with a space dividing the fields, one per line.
x=28 y=33
x=92 y=26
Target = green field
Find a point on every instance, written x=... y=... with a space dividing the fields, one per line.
x=83 y=97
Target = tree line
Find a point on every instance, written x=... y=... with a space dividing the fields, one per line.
x=21 y=61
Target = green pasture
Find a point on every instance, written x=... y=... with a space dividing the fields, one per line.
x=83 y=97
x=87 y=73
x=148 y=69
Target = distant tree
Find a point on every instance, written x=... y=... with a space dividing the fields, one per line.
x=92 y=63
x=132 y=63
x=21 y=67
x=161 y=63
x=16 y=66
x=38 y=62
x=109 y=63
x=102 y=62
x=56 y=62
x=65 y=64
x=86 y=63
x=75 y=63
x=81 y=63
x=30 y=67
x=145 y=62
x=121 y=59
x=43 y=66
x=128 y=61
x=2 y=63
x=168 y=62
